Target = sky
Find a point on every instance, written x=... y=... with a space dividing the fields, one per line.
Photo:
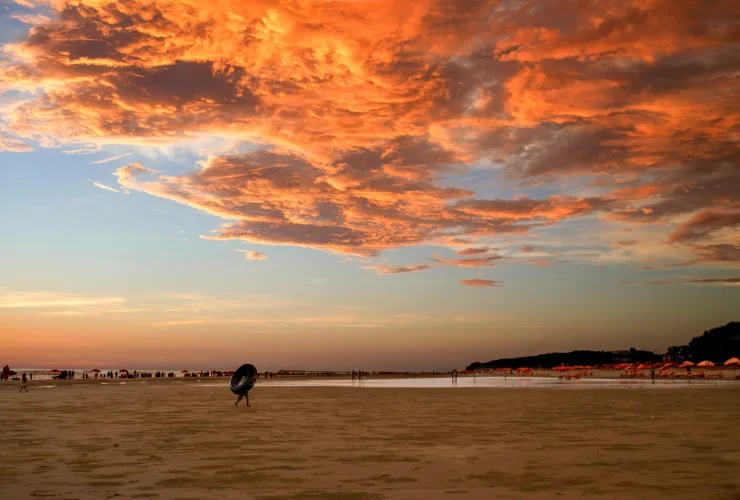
x=364 y=184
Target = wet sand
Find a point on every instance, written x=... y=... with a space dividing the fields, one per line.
x=184 y=439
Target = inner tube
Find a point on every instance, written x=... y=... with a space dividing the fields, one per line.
x=243 y=379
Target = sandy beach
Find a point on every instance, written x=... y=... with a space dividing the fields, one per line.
x=184 y=439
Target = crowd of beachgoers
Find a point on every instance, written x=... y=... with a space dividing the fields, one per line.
x=702 y=370
x=668 y=369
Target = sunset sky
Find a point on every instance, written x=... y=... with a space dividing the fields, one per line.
x=364 y=184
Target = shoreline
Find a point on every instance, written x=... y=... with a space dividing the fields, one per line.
x=487 y=381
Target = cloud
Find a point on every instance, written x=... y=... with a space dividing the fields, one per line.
x=473 y=251
x=14 y=145
x=485 y=261
x=32 y=19
x=178 y=322
x=692 y=281
x=40 y=299
x=479 y=282
x=29 y=4
x=358 y=128
x=625 y=243
x=704 y=223
x=82 y=151
x=63 y=313
x=103 y=186
x=397 y=269
x=108 y=160
x=249 y=255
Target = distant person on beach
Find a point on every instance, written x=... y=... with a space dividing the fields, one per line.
x=24 y=381
x=242 y=396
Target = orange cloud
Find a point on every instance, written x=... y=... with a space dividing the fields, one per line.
x=479 y=282
x=625 y=243
x=486 y=261
x=360 y=110
x=473 y=251
x=14 y=145
x=703 y=224
x=250 y=255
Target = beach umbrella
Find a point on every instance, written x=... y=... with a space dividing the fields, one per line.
x=185 y=371
x=669 y=365
x=705 y=363
x=123 y=370
x=686 y=364
x=732 y=362
x=55 y=370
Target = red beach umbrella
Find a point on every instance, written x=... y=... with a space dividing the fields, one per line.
x=55 y=370
x=669 y=365
x=95 y=370
x=705 y=363
x=185 y=371
x=123 y=370
x=686 y=364
x=732 y=362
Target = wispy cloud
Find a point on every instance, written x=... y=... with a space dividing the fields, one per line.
x=63 y=313
x=473 y=251
x=40 y=299
x=179 y=322
x=484 y=261
x=32 y=19
x=250 y=255
x=83 y=151
x=14 y=145
x=690 y=281
x=107 y=160
x=383 y=269
x=103 y=186
x=480 y=282
x=625 y=243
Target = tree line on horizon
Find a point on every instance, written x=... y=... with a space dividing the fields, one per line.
x=717 y=345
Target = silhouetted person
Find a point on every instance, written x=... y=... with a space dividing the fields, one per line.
x=24 y=381
x=242 y=396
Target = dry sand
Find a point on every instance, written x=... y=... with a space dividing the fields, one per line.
x=184 y=439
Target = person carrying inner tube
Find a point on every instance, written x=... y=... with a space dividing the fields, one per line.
x=242 y=396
